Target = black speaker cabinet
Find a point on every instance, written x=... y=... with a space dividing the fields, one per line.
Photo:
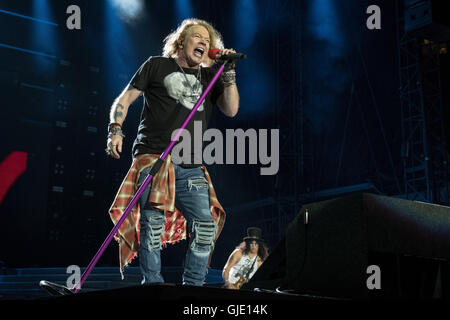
x=362 y=246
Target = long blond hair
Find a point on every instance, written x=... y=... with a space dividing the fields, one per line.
x=173 y=41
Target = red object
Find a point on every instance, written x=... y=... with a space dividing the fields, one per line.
x=10 y=169
x=212 y=53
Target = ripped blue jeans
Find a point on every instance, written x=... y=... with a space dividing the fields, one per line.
x=192 y=199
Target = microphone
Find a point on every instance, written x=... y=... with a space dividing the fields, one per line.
x=229 y=56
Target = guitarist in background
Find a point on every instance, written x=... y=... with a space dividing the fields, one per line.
x=245 y=260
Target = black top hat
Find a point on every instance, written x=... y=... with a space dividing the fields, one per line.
x=253 y=233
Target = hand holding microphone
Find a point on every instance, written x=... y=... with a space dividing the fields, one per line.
x=225 y=54
x=230 y=56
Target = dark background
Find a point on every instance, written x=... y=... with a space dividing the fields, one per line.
x=302 y=55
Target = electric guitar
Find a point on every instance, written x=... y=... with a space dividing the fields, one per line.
x=238 y=284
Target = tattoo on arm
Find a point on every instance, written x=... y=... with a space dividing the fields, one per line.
x=118 y=114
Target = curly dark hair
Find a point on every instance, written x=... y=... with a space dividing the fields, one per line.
x=263 y=250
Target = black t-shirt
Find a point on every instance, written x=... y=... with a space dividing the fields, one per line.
x=169 y=97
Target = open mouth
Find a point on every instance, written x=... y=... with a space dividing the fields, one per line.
x=198 y=52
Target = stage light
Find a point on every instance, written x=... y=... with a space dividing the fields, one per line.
x=92 y=129
x=62 y=105
x=255 y=83
x=90 y=174
x=37 y=53
x=324 y=24
x=88 y=193
x=93 y=110
x=59 y=169
x=28 y=17
x=328 y=79
x=128 y=10
x=184 y=10
x=61 y=124
x=44 y=35
x=119 y=50
x=58 y=189
x=33 y=86
x=246 y=25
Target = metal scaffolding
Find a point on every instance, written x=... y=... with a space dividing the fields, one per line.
x=424 y=155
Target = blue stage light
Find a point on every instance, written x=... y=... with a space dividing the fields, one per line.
x=28 y=17
x=43 y=54
x=119 y=53
x=324 y=24
x=325 y=52
x=28 y=85
x=246 y=23
x=184 y=10
x=128 y=10
x=257 y=88
x=44 y=36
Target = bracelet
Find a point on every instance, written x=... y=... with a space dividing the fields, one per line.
x=115 y=131
x=230 y=66
x=114 y=125
x=229 y=77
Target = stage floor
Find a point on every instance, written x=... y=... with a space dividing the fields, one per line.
x=23 y=283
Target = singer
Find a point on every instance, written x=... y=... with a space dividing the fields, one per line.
x=180 y=202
